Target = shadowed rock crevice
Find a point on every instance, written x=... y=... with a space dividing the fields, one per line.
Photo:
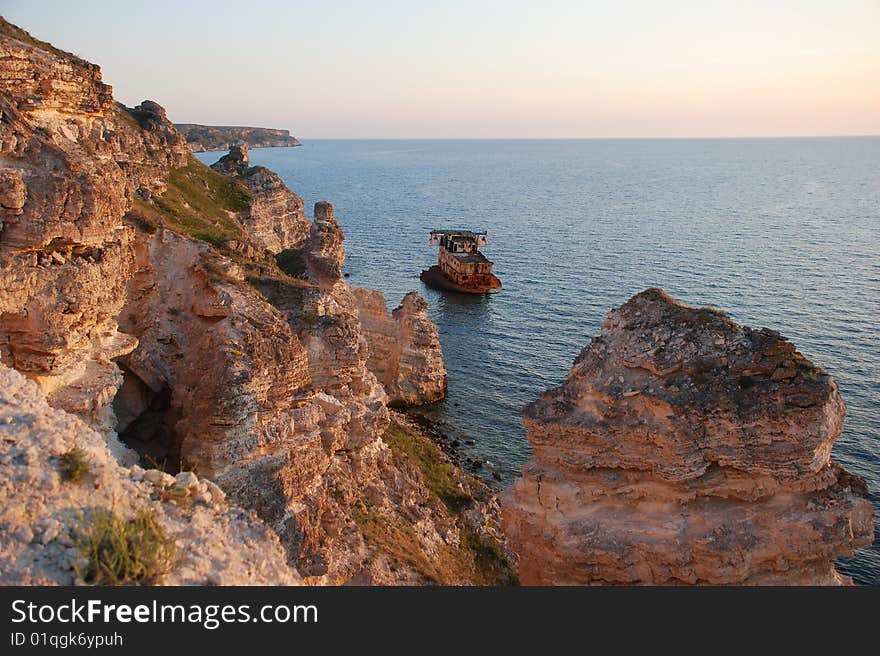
x=146 y=423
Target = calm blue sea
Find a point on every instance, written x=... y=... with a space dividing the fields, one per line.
x=783 y=233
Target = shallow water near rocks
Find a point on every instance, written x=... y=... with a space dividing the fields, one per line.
x=783 y=233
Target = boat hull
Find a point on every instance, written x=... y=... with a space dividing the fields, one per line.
x=436 y=279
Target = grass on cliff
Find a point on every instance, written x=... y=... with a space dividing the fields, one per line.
x=439 y=474
x=475 y=559
x=116 y=551
x=72 y=465
x=199 y=202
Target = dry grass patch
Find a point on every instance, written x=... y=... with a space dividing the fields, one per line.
x=117 y=551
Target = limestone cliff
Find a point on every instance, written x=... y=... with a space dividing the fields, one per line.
x=141 y=290
x=72 y=161
x=213 y=137
x=262 y=385
x=404 y=348
x=685 y=449
x=42 y=515
x=275 y=219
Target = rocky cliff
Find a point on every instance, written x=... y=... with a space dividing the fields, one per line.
x=47 y=508
x=685 y=449
x=275 y=219
x=404 y=348
x=72 y=163
x=201 y=316
x=212 y=137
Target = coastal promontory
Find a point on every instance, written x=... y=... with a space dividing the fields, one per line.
x=183 y=368
x=201 y=138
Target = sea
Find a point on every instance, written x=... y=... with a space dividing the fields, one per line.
x=783 y=233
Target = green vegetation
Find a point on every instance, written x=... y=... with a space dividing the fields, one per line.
x=199 y=202
x=809 y=370
x=116 y=551
x=399 y=541
x=440 y=476
x=127 y=115
x=176 y=495
x=491 y=566
x=475 y=559
x=710 y=312
x=72 y=465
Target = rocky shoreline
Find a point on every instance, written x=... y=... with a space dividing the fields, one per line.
x=182 y=359
x=457 y=449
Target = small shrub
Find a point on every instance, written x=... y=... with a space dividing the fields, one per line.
x=116 y=551
x=178 y=496
x=72 y=465
x=700 y=370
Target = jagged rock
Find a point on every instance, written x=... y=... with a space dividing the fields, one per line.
x=40 y=513
x=227 y=366
x=320 y=257
x=717 y=471
x=275 y=219
x=235 y=163
x=404 y=348
x=227 y=359
x=73 y=160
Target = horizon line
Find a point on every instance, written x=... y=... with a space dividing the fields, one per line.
x=667 y=138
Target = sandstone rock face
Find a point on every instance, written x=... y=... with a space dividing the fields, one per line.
x=40 y=514
x=71 y=161
x=236 y=162
x=320 y=257
x=270 y=396
x=404 y=348
x=205 y=357
x=275 y=220
x=685 y=449
x=219 y=364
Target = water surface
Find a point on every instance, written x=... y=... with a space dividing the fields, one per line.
x=783 y=233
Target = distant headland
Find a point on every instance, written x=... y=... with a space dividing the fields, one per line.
x=201 y=138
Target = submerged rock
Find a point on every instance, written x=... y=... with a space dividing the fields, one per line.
x=685 y=449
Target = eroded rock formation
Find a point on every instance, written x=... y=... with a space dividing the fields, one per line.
x=404 y=347
x=41 y=513
x=140 y=290
x=72 y=161
x=685 y=449
x=269 y=394
x=275 y=219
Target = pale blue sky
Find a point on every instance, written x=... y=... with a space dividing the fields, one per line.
x=486 y=69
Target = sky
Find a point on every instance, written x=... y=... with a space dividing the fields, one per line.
x=479 y=69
